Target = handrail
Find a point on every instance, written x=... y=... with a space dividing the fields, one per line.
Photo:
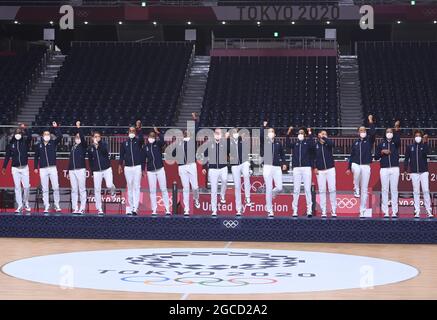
x=184 y=83
x=342 y=144
x=145 y=39
x=304 y=43
x=132 y=42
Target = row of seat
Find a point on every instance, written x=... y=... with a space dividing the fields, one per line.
x=399 y=81
x=109 y=84
x=244 y=91
x=16 y=73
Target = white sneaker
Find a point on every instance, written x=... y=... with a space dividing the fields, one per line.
x=154 y=213
x=333 y=215
x=362 y=213
x=394 y=215
x=214 y=214
x=186 y=213
x=248 y=202
x=75 y=211
x=430 y=215
x=386 y=215
x=357 y=193
x=295 y=214
x=167 y=212
x=27 y=208
x=238 y=213
x=271 y=214
x=197 y=204
x=58 y=209
x=46 y=209
x=309 y=214
x=81 y=212
x=324 y=215
x=222 y=200
x=417 y=214
x=100 y=212
x=18 y=210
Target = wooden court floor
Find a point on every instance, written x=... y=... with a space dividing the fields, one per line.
x=423 y=257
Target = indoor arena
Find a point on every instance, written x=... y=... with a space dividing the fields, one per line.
x=218 y=150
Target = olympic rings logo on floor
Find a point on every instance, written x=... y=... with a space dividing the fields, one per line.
x=347 y=203
x=202 y=281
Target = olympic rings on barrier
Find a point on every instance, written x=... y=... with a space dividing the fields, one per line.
x=347 y=203
x=160 y=201
x=203 y=281
x=230 y=224
x=255 y=186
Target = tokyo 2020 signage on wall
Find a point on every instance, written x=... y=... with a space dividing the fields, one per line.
x=209 y=271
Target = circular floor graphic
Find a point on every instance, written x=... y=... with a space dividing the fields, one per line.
x=209 y=271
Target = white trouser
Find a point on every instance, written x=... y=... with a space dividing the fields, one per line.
x=389 y=179
x=98 y=177
x=46 y=174
x=272 y=174
x=302 y=174
x=361 y=174
x=78 y=186
x=153 y=176
x=237 y=170
x=214 y=176
x=421 y=179
x=133 y=180
x=188 y=174
x=323 y=177
x=21 y=177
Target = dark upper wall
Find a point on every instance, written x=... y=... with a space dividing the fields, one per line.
x=347 y=34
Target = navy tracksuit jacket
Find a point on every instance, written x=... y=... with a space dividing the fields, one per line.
x=45 y=154
x=18 y=150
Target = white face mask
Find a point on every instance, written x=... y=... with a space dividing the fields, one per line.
x=186 y=139
x=363 y=134
x=77 y=140
x=151 y=140
x=46 y=138
x=235 y=136
x=418 y=139
x=271 y=135
x=389 y=135
x=17 y=136
x=131 y=135
x=300 y=137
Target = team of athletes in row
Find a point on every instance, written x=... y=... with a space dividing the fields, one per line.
x=310 y=154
